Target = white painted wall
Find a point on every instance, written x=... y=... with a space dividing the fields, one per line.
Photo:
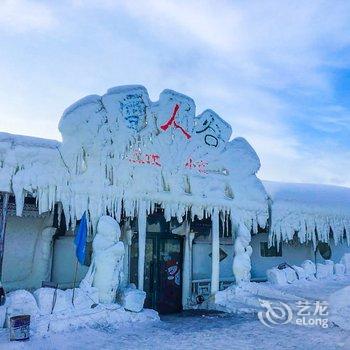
x=202 y=261
x=293 y=255
x=64 y=261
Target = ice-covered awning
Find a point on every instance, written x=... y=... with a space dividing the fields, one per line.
x=121 y=149
x=313 y=211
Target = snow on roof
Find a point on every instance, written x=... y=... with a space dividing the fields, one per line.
x=309 y=209
x=27 y=141
x=28 y=164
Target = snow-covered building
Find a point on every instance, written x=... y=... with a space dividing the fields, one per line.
x=192 y=212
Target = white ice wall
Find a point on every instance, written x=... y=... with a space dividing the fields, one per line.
x=63 y=265
x=20 y=240
x=290 y=254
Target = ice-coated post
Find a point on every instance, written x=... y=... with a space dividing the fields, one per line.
x=142 y=226
x=215 y=246
x=187 y=266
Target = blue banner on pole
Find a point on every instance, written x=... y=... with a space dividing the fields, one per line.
x=80 y=239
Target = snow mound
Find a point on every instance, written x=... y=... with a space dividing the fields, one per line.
x=21 y=302
x=47 y=301
x=246 y=297
x=132 y=299
x=339 y=304
x=66 y=316
x=345 y=260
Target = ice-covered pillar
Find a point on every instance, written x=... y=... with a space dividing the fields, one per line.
x=215 y=255
x=242 y=253
x=3 y=219
x=187 y=267
x=142 y=226
x=127 y=240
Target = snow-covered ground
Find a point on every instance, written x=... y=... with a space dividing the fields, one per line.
x=203 y=330
x=188 y=331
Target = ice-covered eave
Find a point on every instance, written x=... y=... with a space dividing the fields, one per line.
x=309 y=223
x=312 y=211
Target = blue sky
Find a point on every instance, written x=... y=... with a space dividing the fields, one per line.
x=278 y=71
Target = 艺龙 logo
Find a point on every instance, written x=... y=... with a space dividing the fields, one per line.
x=275 y=313
x=307 y=313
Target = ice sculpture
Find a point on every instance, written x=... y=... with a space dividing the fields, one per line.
x=243 y=251
x=105 y=272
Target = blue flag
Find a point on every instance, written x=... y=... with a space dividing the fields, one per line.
x=80 y=239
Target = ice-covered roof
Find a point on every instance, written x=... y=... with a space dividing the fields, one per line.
x=310 y=209
x=27 y=141
x=121 y=152
x=29 y=164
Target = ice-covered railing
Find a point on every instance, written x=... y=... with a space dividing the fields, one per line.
x=121 y=151
x=311 y=211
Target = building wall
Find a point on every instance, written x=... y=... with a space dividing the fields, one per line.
x=19 y=265
x=21 y=236
x=293 y=255
x=202 y=261
x=64 y=263
x=337 y=251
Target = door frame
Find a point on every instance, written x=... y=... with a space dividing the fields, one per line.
x=156 y=238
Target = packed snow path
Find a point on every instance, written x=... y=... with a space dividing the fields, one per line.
x=192 y=331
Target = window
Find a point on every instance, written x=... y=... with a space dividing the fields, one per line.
x=265 y=251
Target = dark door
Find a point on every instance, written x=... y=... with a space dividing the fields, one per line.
x=169 y=275
x=163 y=278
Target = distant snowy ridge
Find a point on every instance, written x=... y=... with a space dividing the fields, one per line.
x=310 y=210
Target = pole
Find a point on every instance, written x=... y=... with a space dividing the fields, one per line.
x=215 y=256
x=142 y=228
x=75 y=279
x=3 y=219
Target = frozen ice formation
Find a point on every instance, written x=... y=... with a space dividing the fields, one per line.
x=132 y=299
x=242 y=253
x=122 y=152
x=121 y=149
x=105 y=271
x=314 y=212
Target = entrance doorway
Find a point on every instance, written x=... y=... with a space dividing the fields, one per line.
x=163 y=267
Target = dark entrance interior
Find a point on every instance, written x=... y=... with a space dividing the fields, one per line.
x=163 y=266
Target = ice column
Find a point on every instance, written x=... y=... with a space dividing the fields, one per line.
x=127 y=240
x=215 y=258
x=187 y=266
x=142 y=225
x=243 y=251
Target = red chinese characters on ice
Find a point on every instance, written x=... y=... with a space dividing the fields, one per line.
x=197 y=165
x=148 y=158
x=172 y=122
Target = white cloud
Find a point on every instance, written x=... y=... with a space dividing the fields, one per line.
x=24 y=15
x=263 y=66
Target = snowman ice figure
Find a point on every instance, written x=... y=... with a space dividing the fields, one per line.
x=105 y=272
x=243 y=251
